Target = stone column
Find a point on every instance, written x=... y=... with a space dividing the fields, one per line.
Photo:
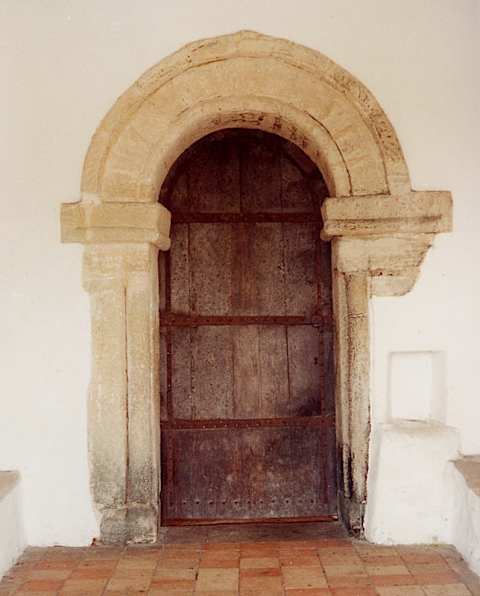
x=120 y=273
x=352 y=370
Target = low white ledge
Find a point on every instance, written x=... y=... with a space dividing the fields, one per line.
x=466 y=507
x=12 y=536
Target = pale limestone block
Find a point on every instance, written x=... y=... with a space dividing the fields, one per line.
x=141 y=366
x=107 y=413
x=109 y=223
x=415 y=212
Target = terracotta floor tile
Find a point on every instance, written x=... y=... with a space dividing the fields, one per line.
x=303 y=577
x=336 y=559
x=180 y=563
x=220 y=554
x=258 y=562
x=167 y=592
x=296 y=561
x=60 y=564
x=298 y=552
x=35 y=593
x=97 y=564
x=349 y=581
x=311 y=592
x=386 y=570
x=258 y=552
x=175 y=573
x=175 y=553
x=217 y=580
x=217 y=593
x=382 y=560
x=333 y=543
x=392 y=580
x=91 y=573
x=400 y=591
x=214 y=563
x=450 y=590
x=173 y=584
x=254 y=572
x=343 y=570
x=354 y=592
x=137 y=563
x=436 y=579
x=53 y=574
x=261 y=584
x=80 y=586
x=41 y=585
x=132 y=583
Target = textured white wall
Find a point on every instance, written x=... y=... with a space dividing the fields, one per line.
x=64 y=62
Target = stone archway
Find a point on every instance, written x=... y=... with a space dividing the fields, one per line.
x=379 y=227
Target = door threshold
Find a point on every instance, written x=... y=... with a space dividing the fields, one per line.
x=243 y=521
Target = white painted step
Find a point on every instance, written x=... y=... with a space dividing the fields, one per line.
x=12 y=536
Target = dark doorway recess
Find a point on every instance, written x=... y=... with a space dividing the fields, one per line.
x=247 y=397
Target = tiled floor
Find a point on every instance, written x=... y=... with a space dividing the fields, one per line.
x=250 y=561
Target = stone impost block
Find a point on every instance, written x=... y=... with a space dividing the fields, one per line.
x=109 y=223
x=392 y=262
x=418 y=212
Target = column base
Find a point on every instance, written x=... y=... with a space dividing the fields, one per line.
x=129 y=524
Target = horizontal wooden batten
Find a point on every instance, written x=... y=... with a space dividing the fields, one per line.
x=274 y=217
x=303 y=421
x=168 y=319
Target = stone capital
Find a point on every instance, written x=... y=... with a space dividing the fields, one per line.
x=90 y=222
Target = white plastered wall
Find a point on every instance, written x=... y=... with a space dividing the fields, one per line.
x=63 y=65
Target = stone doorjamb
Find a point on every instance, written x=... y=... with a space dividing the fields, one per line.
x=380 y=230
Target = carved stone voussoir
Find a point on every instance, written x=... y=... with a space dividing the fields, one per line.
x=106 y=223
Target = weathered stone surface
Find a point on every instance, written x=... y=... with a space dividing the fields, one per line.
x=103 y=223
x=417 y=212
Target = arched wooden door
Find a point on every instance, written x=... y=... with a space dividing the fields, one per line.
x=247 y=399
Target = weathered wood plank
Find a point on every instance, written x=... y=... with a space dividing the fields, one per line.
x=274 y=388
x=303 y=351
x=211 y=258
x=269 y=268
x=181 y=374
x=296 y=193
x=212 y=372
x=214 y=178
x=246 y=365
x=301 y=279
x=179 y=269
x=244 y=282
x=260 y=176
